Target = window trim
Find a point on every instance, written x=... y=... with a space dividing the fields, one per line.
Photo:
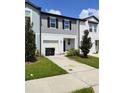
x=27 y=9
x=69 y=24
x=52 y=22
x=93 y=27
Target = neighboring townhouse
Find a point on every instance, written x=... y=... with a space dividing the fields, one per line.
x=92 y=24
x=56 y=33
x=32 y=12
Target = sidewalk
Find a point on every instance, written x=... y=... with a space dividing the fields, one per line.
x=80 y=76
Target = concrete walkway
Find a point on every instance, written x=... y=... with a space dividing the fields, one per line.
x=80 y=76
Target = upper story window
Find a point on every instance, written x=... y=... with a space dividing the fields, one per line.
x=27 y=15
x=67 y=24
x=92 y=27
x=52 y=22
x=95 y=27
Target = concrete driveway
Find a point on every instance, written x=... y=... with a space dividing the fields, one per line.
x=80 y=76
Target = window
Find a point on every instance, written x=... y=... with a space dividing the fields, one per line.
x=53 y=22
x=95 y=27
x=66 y=24
x=27 y=15
x=92 y=27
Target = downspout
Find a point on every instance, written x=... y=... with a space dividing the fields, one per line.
x=78 y=33
x=40 y=29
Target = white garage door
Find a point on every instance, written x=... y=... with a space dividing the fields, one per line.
x=51 y=44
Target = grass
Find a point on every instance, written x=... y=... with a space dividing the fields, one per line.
x=91 y=61
x=43 y=67
x=85 y=90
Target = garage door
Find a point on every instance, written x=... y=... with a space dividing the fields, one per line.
x=50 y=47
x=49 y=51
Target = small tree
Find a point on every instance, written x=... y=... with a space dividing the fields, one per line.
x=86 y=43
x=29 y=42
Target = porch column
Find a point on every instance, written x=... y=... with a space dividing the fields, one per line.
x=76 y=43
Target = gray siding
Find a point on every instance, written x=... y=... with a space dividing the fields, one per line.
x=59 y=30
x=36 y=24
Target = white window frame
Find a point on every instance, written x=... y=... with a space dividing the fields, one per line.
x=95 y=28
x=52 y=22
x=90 y=27
x=66 y=20
x=27 y=9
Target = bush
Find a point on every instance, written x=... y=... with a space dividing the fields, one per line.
x=72 y=52
x=86 y=44
x=30 y=47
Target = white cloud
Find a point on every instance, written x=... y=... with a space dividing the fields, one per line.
x=53 y=11
x=88 y=12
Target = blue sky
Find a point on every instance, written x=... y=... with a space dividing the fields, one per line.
x=72 y=8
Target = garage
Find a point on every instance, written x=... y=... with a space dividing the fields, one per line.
x=50 y=47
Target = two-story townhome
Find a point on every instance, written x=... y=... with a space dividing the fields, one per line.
x=54 y=34
x=92 y=24
x=58 y=33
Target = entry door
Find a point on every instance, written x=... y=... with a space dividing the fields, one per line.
x=64 y=45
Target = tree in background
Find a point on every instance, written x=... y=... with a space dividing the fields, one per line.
x=30 y=47
x=86 y=43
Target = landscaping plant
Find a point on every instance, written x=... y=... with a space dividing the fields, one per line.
x=72 y=52
x=86 y=44
x=30 y=47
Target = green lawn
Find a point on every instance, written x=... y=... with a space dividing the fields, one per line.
x=42 y=68
x=91 y=61
x=85 y=90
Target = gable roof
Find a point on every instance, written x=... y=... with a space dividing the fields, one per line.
x=84 y=19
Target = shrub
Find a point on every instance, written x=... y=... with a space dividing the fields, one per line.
x=86 y=43
x=30 y=47
x=72 y=52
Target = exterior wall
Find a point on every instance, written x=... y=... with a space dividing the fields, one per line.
x=94 y=35
x=58 y=45
x=60 y=29
x=58 y=34
x=35 y=19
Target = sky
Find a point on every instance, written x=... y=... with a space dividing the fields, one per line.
x=71 y=8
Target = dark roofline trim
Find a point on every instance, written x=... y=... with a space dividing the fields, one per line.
x=42 y=12
x=33 y=5
x=84 y=19
x=93 y=22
